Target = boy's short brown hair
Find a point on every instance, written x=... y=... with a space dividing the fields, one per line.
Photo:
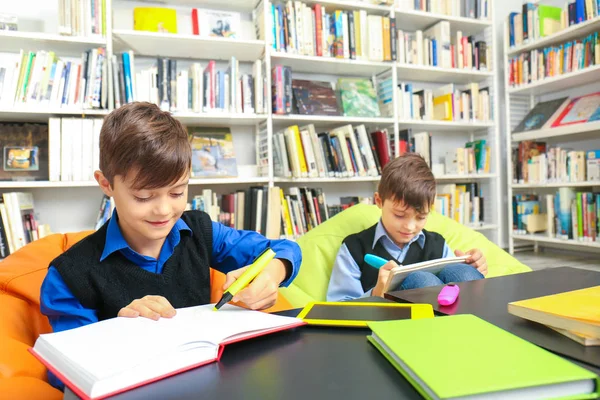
x=409 y=179
x=142 y=138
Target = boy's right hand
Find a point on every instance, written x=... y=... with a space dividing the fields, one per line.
x=382 y=278
x=152 y=307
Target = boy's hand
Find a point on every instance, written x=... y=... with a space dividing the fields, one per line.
x=476 y=260
x=152 y=307
x=262 y=292
x=382 y=278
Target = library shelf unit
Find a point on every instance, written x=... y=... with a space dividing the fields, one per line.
x=519 y=100
x=256 y=130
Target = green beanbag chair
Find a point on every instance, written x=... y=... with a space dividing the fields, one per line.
x=320 y=246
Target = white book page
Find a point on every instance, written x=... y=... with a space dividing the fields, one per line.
x=110 y=347
x=398 y=274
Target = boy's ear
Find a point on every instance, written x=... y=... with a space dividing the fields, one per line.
x=104 y=183
x=378 y=200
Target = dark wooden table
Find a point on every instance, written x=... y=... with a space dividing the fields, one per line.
x=489 y=298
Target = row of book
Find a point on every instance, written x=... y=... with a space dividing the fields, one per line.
x=353 y=97
x=198 y=88
x=346 y=151
x=539 y=64
x=540 y=20
x=82 y=17
x=567 y=214
x=18 y=223
x=298 y=28
x=468 y=103
x=473 y=158
x=478 y=9
x=462 y=203
x=533 y=162
x=562 y=111
x=437 y=48
x=43 y=79
x=270 y=211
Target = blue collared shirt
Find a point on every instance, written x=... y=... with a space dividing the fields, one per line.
x=345 y=284
x=232 y=249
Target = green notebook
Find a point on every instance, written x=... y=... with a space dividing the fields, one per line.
x=464 y=357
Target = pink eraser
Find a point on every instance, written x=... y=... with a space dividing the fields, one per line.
x=448 y=294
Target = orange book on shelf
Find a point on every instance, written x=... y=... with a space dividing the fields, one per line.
x=577 y=311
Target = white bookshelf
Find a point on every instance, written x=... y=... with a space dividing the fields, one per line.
x=246 y=127
x=519 y=100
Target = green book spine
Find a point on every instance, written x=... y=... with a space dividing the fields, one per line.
x=30 y=61
x=579 y=216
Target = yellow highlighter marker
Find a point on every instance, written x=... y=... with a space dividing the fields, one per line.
x=244 y=280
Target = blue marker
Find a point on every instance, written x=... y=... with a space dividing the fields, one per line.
x=375 y=261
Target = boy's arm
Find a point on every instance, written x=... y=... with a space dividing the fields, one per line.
x=63 y=310
x=344 y=283
x=233 y=249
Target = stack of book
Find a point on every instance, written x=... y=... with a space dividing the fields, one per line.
x=346 y=151
x=462 y=203
x=82 y=17
x=42 y=79
x=573 y=314
x=198 y=88
x=540 y=20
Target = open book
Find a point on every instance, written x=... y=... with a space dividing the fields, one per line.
x=118 y=354
x=398 y=274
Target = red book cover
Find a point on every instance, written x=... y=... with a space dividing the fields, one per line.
x=380 y=141
x=195 y=27
x=319 y=29
x=579 y=110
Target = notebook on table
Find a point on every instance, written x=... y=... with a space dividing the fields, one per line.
x=118 y=354
x=465 y=357
x=577 y=311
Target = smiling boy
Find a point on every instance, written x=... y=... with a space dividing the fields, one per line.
x=405 y=196
x=152 y=256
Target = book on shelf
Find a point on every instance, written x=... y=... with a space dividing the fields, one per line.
x=579 y=110
x=155 y=19
x=9 y=22
x=198 y=88
x=216 y=23
x=537 y=20
x=73 y=149
x=24 y=152
x=542 y=115
x=463 y=203
x=437 y=47
x=477 y=9
x=324 y=31
x=19 y=222
x=212 y=152
x=346 y=151
x=130 y=352
x=82 y=18
x=574 y=311
x=358 y=97
x=42 y=79
x=552 y=61
x=314 y=98
x=450 y=102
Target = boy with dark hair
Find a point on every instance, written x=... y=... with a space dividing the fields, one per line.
x=152 y=257
x=405 y=196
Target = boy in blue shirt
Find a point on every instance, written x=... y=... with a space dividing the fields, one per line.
x=152 y=257
x=405 y=196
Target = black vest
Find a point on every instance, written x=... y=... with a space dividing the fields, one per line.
x=361 y=243
x=115 y=282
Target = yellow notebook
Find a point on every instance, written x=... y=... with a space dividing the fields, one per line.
x=577 y=311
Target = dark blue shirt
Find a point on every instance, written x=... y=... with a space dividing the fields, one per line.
x=231 y=250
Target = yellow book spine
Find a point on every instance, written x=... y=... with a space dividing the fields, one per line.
x=301 y=157
x=387 y=48
x=357 y=35
x=286 y=215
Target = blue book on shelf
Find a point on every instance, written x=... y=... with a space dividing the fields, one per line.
x=127 y=77
x=511 y=28
x=579 y=11
x=274 y=27
x=434 y=60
